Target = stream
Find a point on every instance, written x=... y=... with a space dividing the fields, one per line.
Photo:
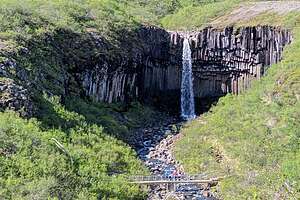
x=154 y=148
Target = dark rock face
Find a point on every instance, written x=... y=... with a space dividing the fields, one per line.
x=227 y=61
x=15 y=97
x=110 y=87
x=147 y=64
x=111 y=79
x=130 y=78
x=161 y=69
x=224 y=61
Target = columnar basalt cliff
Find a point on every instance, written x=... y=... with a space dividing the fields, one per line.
x=224 y=61
x=148 y=65
x=228 y=60
x=127 y=78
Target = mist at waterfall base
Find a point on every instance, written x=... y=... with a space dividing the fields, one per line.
x=187 y=103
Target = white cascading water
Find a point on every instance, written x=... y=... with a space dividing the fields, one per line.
x=187 y=94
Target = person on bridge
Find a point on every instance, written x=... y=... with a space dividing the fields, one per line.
x=176 y=174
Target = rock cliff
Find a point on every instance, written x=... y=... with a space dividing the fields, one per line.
x=224 y=61
x=15 y=97
x=129 y=79
x=228 y=60
x=147 y=64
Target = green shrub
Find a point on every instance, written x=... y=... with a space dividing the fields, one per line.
x=70 y=152
x=37 y=164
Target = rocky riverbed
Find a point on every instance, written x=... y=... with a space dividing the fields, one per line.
x=154 y=148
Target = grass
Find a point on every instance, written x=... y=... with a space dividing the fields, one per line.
x=253 y=138
x=71 y=151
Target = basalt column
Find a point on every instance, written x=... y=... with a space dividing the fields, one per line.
x=226 y=61
x=161 y=72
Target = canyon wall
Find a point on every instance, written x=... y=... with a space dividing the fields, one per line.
x=228 y=60
x=146 y=64
x=224 y=61
x=123 y=80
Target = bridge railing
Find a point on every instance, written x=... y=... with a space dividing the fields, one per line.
x=167 y=178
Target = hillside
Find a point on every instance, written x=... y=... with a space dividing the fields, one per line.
x=253 y=138
x=71 y=154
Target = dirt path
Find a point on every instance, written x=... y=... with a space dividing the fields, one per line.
x=247 y=11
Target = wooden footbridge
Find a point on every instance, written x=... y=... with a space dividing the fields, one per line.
x=173 y=183
x=157 y=180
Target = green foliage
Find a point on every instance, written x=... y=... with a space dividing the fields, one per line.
x=28 y=18
x=117 y=119
x=68 y=153
x=254 y=137
x=71 y=152
x=34 y=166
x=161 y=8
x=151 y=11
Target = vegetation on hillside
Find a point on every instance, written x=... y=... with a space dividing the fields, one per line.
x=253 y=138
x=29 y=18
x=50 y=39
x=70 y=152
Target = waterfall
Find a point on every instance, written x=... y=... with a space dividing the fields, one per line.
x=187 y=94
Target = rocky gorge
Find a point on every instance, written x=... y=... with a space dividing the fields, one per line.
x=224 y=61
